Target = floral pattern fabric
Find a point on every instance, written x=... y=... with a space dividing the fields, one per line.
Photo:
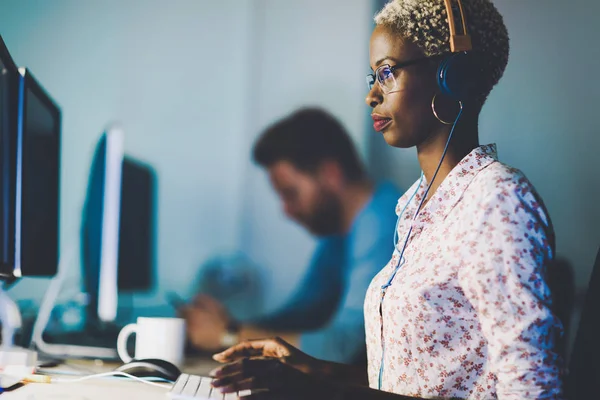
x=467 y=314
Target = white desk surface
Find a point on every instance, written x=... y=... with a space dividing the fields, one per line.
x=100 y=389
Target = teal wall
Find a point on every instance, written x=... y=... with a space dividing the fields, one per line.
x=193 y=83
x=172 y=73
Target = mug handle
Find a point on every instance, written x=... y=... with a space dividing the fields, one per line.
x=122 y=342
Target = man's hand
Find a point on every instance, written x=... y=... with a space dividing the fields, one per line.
x=207 y=321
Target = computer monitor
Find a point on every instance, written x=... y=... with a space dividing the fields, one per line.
x=9 y=114
x=38 y=180
x=137 y=228
x=118 y=228
x=100 y=227
x=117 y=250
x=29 y=182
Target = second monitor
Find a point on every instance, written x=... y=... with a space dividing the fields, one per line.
x=118 y=228
x=117 y=249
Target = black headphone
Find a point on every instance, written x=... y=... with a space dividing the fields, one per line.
x=459 y=75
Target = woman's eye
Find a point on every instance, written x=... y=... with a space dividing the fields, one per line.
x=386 y=74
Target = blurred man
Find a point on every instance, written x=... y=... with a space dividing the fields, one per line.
x=316 y=172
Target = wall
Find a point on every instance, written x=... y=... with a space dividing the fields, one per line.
x=159 y=68
x=311 y=52
x=193 y=82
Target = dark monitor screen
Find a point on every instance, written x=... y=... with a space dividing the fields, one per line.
x=40 y=183
x=9 y=113
x=137 y=227
x=136 y=236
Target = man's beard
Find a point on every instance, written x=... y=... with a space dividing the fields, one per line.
x=326 y=218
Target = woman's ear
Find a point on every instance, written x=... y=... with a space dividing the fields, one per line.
x=445 y=108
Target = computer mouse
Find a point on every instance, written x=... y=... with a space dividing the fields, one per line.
x=151 y=367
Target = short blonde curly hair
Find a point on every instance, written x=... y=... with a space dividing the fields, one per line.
x=425 y=23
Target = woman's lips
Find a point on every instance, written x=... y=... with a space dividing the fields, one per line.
x=380 y=122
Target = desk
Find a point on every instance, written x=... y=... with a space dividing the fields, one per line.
x=101 y=389
x=88 y=390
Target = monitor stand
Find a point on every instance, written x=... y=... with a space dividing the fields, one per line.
x=63 y=350
x=10 y=318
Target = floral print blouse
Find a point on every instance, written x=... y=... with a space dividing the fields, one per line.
x=467 y=314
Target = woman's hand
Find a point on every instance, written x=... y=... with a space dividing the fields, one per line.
x=270 y=378
x=271 y=369
x=266 y=378
x=277 y=349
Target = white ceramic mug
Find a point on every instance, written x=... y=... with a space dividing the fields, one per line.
x=162 y=338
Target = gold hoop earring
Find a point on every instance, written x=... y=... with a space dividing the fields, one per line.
x=436 y=114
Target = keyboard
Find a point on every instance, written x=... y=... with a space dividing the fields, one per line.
x=193 y=387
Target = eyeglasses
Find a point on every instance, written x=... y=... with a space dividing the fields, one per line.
x=384 y=74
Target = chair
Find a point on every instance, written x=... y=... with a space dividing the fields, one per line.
x=583 y=379
x=561 y=281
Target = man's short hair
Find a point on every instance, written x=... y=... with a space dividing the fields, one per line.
x=306 y=139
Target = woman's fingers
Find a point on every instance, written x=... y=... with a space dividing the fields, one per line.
x=234 y=386
x=250 y=348
x=249 y=374
x=265 y=378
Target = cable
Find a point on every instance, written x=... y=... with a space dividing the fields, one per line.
x=396 y=239
x=35 y=378
x=389 y=282
x=401 y=256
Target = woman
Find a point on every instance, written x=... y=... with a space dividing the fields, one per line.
x=462 y=308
